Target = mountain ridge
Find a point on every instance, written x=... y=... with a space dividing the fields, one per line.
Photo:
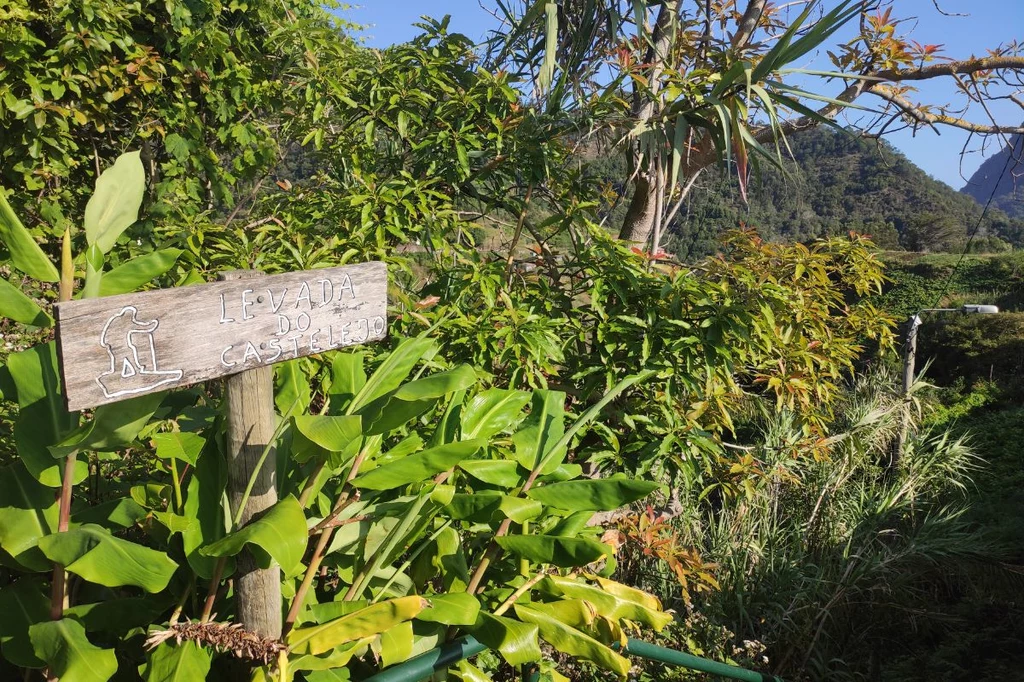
x=1001 y=177
x=832 y=183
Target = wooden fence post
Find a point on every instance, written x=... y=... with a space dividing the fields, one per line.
x=250 y=428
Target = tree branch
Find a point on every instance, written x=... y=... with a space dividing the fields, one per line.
x=964 y=66
x=923 y=116
x=748 y=24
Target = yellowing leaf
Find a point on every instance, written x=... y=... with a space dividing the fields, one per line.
x=372 y=620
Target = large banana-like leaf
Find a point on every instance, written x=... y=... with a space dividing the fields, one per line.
x=93 y=553
x=347 y=378
x=182 y=445
x=22 y=603
x=536 y=439
x=453 y=608
x=138 y=271
x=28 y=512
x=320 y=435
x=500 y=472
x=483 y=507
x=42 y=419
x=26 y=255
x=603 y=494
x=278 y=535
x=372 y=620
x=549 y=549
x=608 y=604
x=492 y=411
x=392 y=371
x=114 y=205
x=203 y=505
x=569 y=640
x=517 y=642
x=69 y=655
x=291 y=388
x=113 y=426
x=418 y=467
x=20 y=308
x=171 y=662
x=412 y=399
x=396 y=644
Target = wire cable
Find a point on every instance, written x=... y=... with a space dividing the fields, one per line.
x=981 y=218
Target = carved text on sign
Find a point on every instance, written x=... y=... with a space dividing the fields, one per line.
x=117 y=347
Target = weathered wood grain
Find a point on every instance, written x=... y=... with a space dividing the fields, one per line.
x=250 y=401
x=119 y=347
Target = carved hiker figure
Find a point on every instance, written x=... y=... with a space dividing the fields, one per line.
x=129 y=343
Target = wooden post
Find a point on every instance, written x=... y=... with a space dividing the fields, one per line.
x=250 y=406
x=909 y=366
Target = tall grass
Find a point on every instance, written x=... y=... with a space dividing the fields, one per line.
x=830 y=561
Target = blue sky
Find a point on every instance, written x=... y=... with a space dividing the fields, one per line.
x=987 y=24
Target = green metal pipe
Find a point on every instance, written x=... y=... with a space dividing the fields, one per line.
x=427 y=664
x=635 y=647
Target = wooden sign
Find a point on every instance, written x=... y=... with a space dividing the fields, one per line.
x=119 y=347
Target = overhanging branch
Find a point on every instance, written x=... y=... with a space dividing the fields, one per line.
x=926 y=117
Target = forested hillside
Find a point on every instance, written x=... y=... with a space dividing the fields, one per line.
x=833 y=183
x=1008 y=186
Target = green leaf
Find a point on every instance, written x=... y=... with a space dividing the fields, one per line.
x=500 y=472
x=535 y=440
x=347 y=378
x=138 y=271
x=42 y=419
x=592 y=495
x=91 y=552
x=203 y=504
x=467 y=672
x=182 y=445
x=279 y=534
x=334 y=661
x=492 y=411
x=418 y=467
x=560 y=551
x=69 y=655
x=291 y=388
x=437 y=385
x=117 y=616
x=614 y=606
x=454 y=608
x=20 y=308
x=396 y=644
x=113 y=426
x=22 y=603
x=412 y=399
x=547 y=69
x=372 y=620
x=392 y=371
x=184 y=662
x=516 y=642
x=122 y=512
x=571 y=641
x=482 y=507
x=28 y=512
x=326 y=436
x=114 y=205
x=93 y=272
x=26 y=254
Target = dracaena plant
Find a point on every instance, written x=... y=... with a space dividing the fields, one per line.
x=414 y=506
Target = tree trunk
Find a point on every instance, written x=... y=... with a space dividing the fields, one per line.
x=639 y=220
x=640 y=216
